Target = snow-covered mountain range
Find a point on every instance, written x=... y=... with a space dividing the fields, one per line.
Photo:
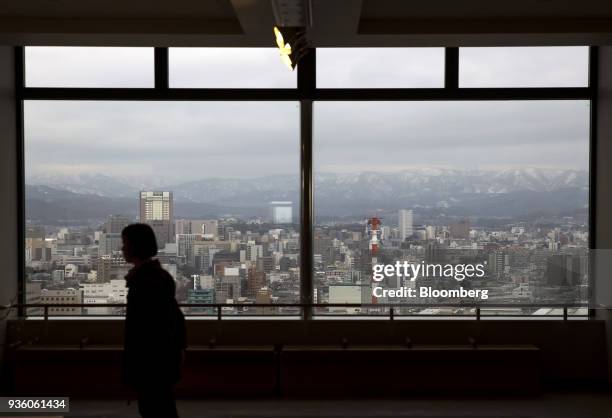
x=475 y=192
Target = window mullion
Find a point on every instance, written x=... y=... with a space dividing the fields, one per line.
x=451 y=68
x=161 y=68
x=306 y=87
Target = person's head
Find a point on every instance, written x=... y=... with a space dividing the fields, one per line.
x=139 y=243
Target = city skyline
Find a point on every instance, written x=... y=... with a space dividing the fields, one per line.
x=249 y=255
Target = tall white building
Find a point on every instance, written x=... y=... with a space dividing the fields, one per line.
x=156 y=209
x=253 y=251
x=405 y=223
x=282 y=212
x=155 y=206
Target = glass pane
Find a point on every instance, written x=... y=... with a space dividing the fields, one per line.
x=380 y=67
x=524 y=67
x=501 y=186
x=89 y=67
x=229 y=68
x=217 y=181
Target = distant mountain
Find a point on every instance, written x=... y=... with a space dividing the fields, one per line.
x=58 y=206
x=455 y=192
x=61 y=206
x=239 y=192
x=459 y=192
x=93 y=184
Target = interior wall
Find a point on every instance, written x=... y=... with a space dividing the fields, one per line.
x=604 y=149
x=603 y=288
x=569 y=351
x=8 y=188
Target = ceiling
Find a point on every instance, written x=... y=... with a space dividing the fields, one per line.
x=333 y=22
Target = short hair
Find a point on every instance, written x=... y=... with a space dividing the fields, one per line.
x=141 y=239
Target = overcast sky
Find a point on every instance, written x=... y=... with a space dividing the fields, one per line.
x=193 y=140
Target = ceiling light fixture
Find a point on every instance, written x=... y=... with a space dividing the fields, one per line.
x=292 y=44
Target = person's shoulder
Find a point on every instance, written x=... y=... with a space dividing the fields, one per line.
x=150 y=272
x=162 y=271
x=165 y=277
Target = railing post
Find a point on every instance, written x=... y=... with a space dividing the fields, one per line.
x=219 y=312
x=478 y=314
x=391 y=313
x=46 y=312
x=565 y=313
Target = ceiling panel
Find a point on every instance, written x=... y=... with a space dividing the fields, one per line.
x=101 y=9
x=474 y=9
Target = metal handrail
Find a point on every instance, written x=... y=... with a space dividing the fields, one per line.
x=321 y=305
x=392 y=307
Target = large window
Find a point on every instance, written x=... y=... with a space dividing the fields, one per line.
x=437 y=159
x=227 y=172
x=498 y=183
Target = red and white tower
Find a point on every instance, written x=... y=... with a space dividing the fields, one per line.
x=374 y=234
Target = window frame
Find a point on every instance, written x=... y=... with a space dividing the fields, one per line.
x=305 y=93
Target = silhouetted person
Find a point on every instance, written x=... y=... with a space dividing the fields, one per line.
x=154 y=326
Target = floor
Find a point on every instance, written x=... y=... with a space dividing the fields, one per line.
x=555 y=405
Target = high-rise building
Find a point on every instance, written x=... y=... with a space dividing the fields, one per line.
x=156 y=206
x=156 y=209
x=405 y=223
x=115 y=223
x=282 y=212
x=185 y=247
x=204 y=252
x=109 y=243
x=460 y=229
x=499 y=263
x=253 y=251
x=566 y=270
x=208 y=227
x=229 y=286
x=255 y=281
x=324 y=247
x=265 y=263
